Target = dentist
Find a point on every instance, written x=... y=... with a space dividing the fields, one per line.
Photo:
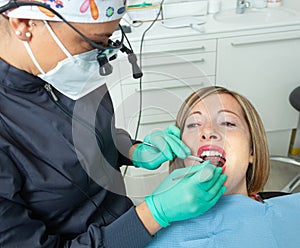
x=60 y=152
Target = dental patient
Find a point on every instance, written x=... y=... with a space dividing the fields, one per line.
x=223 y=127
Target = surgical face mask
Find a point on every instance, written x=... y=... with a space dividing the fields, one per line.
x=75 y=76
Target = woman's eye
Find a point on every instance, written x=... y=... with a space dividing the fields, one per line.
x=193 y=125
x=228 y=124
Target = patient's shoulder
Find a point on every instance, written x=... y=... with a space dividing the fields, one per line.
x=285 y=201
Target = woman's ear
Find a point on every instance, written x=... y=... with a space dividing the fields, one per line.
x=21 y=28
x=251 y=157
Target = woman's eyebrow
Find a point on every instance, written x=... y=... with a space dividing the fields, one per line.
x=229 y=111
x=220 y=111
x=195 y=112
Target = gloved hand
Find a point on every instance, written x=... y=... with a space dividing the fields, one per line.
x=166 y=145
x=182 y=196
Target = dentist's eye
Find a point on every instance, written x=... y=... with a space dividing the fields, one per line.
x=100 y=43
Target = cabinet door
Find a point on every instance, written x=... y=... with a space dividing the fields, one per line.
x=182 y=60
x=169 y=77
x=264 y=68
x=160 y=102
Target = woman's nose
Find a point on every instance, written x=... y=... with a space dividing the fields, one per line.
x=209 y=133
x=206 y=136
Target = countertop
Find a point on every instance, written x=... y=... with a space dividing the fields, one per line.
x=263 y=21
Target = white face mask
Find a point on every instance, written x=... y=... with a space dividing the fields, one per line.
x=75 y=76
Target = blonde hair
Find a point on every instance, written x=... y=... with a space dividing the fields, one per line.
x=258 y=172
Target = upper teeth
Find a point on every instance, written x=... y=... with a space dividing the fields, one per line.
x=211 y=154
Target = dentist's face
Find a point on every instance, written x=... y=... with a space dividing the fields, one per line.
x=216 y=130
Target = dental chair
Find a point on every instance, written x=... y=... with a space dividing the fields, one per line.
x=294 y=99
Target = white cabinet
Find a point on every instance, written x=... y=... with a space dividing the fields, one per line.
x=172 y=71
x=264 y=68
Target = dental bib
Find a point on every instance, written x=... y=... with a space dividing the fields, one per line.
x=237 y=221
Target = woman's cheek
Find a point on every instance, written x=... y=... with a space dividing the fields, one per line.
x=192 y=143
x=189 y=139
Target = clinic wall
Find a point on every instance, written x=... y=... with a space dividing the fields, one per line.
x=292 y=4
x=226 y=4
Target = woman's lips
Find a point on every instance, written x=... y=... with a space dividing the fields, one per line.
x=215 y=154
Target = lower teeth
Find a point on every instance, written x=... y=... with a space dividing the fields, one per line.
x=217 y=161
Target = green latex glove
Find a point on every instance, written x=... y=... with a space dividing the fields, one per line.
x=166 y=145
x=186 y=193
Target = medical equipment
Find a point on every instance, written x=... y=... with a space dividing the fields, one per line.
x=295 y=181
x=143 y=12
x=189 y=156
x=184 y=176
x=164 y=202
x=105 y=68
x=181 y=22
x=206 y=175
x=192 y=173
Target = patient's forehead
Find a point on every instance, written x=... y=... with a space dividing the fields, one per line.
x=217 y=102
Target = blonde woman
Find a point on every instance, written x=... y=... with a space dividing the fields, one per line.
x=224 y=116
x=223 y=127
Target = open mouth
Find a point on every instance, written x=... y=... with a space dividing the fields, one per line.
x=215 y=156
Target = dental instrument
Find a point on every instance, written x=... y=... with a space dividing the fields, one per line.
x=184 y=176
x=189 y=156
x=206 y=175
